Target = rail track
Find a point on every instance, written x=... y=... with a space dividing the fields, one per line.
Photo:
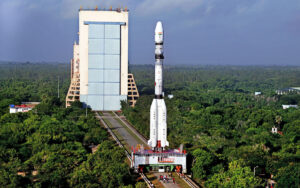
x=185 y=178
x=147 y=181
x=188 y=180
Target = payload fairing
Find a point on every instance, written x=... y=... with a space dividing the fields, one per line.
x=158 y=110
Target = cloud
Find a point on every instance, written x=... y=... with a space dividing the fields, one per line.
x=251 y=6
x=150 y=7
x=66 y=9
x=195 y=12
x=69 y=8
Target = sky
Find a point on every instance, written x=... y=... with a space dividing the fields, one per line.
x=204 y=32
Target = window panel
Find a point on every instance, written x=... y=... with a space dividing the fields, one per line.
x=96 y=46
x=112 y=61
x=95 y=75
x=111 y=88
x=96 y=61
x=112 y=76
x=112 y=31
x=112 y=46
x=95 y=89
x=96 y=31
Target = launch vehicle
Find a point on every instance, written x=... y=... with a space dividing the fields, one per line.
x=159 y=158
x=158 y=111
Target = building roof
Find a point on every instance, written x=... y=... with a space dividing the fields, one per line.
x=289 y=89
x=105 y=9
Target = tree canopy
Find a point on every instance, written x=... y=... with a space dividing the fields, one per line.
x=50 y=146
x=217 y=117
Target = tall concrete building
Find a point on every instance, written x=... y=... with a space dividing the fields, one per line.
x=103 y=59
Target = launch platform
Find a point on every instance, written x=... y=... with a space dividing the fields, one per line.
x=166 y=161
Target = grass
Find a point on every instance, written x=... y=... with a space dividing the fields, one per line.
x=154 y=180
x=180 y=181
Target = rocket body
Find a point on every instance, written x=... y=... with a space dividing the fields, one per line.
x=158 y=110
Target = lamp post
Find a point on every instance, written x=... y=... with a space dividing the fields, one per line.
x=254 y=170
x=86 y=105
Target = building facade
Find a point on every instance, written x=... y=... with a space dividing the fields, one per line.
x=103 y=54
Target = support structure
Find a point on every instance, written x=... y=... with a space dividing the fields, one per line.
x=133 y=93
x=74 y=89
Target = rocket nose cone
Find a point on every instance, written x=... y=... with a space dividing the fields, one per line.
x=159 y=33
x=159 y=27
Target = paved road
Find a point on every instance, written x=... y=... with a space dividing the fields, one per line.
x=133 y=130
x=168 y=184
x=115 y=125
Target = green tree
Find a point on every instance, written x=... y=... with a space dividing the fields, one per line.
x=236 y=176
x=202 y=160
x=289 y=176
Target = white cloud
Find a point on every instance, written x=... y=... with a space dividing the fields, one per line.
x=69 y=8
x=5 y=4
x=254 y=6
x=208 y=8
x=150 y=7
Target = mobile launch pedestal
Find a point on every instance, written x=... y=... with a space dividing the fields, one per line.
x=158 y=158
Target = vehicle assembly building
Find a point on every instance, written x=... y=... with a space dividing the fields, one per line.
x=99 y=68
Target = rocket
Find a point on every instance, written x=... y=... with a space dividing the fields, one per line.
x=158 y=111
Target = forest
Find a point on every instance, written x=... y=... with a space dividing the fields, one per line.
x=214 y=113
x=225 y=128
x=50 y=146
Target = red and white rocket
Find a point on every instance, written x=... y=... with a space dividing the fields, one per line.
x=158 y=111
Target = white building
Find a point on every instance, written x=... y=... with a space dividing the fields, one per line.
x=103 y=54
x=286 y=106
x=288 y=90
x=274 y=130
x=257 y=93
x=24 y=107
x=18 y=108
x=170 y=96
